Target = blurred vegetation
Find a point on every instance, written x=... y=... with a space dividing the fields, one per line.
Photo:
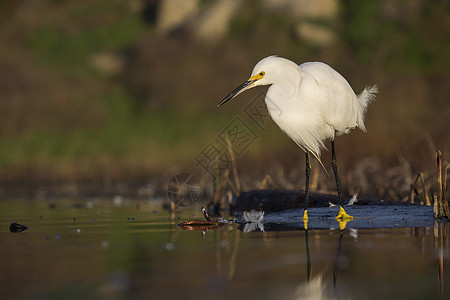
x=64 y=117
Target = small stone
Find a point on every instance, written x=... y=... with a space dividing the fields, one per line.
x=16 y=227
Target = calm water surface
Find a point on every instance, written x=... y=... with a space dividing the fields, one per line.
x=133 y=250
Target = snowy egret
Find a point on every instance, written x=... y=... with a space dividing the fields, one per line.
x=311 y=103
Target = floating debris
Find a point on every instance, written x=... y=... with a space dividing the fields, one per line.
x=253 y=216
x=105 y=244
x=250 y=227
x=117 y=201
x=169 y=246
x=197 y=225
x=353 y=200
x=354 y=233
x=205 y=214
x=253 y=220
x=16 y=227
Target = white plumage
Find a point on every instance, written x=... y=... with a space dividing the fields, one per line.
x=310 y=102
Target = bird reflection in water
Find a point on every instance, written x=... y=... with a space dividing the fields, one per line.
x=314 y=288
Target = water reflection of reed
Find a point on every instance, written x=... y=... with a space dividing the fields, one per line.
x=229 y=239
x=441 y=231
x=314 y=288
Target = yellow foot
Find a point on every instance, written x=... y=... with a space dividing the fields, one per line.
x=305 y=219
x=343 y=216
x=342 y=223
x=305 y=215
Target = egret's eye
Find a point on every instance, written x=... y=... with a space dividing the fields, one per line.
x=262 y=73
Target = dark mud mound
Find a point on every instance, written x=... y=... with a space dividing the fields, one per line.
x=284 y=211
x=279 y=200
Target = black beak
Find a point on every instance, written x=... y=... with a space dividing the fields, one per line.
x=236 y=92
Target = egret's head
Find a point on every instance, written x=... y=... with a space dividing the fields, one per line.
x=265 y=72
x=258 y=77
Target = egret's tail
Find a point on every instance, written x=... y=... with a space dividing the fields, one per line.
x=364 y=98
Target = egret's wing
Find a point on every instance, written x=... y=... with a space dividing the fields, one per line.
x=339 y=102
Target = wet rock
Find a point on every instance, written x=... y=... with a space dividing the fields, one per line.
x=319 y=9
x=279 y=200
x=108 y=63
x=197 y=225
x=213 y=23
x=16 y=227
x=174 y=13
x=315 y=34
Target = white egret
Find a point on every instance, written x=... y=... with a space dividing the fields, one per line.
x=311 y=103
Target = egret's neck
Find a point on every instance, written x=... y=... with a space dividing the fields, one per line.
x=287 y=80
x=285 y=89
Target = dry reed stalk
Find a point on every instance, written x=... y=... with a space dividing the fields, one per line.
x=229 y=197
x=218 y=183
x=224 y=180
x=413 y=190
x=439 y=182
x=172 y=209
x=435 y=206
x=221 y=180
x=427 y=199
x=267 y=179
x=444 y=185
x=411 y=194
x=439 y=163
x=220 y=187
x=315 y=176
x=173 y=198
x=391 y=193
x=231 y=184
x=446 y=175
x=234 y=167
x=442 y=205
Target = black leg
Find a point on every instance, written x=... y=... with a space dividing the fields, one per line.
x=334 y=164
x=308 y=258
x=342 y=215
x=338 y=256
x=308 y=175
x=306 y=200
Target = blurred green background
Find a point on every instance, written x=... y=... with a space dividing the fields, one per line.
x=92 y=90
